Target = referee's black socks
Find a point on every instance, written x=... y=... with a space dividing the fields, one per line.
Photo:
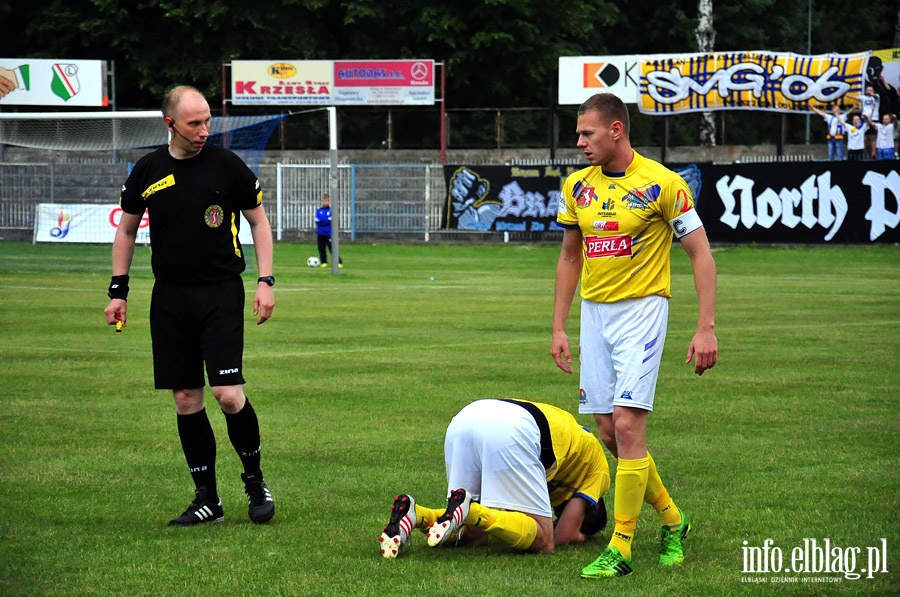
x=243 y=431
x=199 y=445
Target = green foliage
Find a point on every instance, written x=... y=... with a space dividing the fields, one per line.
x=793 y=435
x=497 y=54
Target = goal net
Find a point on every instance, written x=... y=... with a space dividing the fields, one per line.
x=42 y=177
x=114 y=131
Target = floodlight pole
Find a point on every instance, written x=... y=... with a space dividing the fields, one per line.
x=333 y=191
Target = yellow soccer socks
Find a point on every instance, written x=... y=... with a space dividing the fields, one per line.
x=515 y=529
x=425 y=517
x=658 y=496
x=631 y=485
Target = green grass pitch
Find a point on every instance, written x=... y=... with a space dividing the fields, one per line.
x=794 y=435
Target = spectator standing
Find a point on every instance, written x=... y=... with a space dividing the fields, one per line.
x=835 y=136
x=884 y=137
x=856 y=144
x=869 y=104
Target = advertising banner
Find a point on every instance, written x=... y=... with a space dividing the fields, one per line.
x=773 y=81
x=580 y=77
x=81 y=223
x=503 y=198
x=809 y=203
x=62 y=82
x=795 y=203
x=333 y=83
x=95 y=223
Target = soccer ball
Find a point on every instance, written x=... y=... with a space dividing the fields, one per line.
x=313 y=262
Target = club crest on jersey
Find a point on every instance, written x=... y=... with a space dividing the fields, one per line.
x=642 y=197
x=607 y=246
x=584 y=194
x=214 y=216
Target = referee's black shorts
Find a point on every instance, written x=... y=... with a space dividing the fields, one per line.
x=193 y=324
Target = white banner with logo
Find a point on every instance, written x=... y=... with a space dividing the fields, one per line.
x=57 y=82
x=94 y=223
x=580 y=77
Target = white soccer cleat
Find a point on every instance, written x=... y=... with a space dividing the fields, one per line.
x=450 y=524
x=402 y=522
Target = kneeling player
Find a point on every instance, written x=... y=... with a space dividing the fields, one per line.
x=510 y=465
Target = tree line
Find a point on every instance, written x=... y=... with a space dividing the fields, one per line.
x=498 y=54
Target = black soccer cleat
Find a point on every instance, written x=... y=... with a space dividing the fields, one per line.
x=261 y=507
x=201 y=510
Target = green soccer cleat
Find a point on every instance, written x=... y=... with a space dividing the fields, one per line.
x=671 y=551
x=610 y=564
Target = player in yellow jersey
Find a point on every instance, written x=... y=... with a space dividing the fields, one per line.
x=510 y=465
x=620 y=216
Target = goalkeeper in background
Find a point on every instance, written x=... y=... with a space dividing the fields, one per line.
x=511 y=464
x=195 y=195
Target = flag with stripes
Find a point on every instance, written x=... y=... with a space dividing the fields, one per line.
x=748 y=80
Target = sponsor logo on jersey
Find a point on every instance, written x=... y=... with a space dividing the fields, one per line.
x=609 y=225
x=214 y=216
x=157 y=186
x=642 y=197
x=608 y=246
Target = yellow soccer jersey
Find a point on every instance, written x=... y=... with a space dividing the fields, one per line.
x=581 y=467
x=628 y=222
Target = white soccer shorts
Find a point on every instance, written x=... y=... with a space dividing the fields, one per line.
x=493 y=450
x=621 y=350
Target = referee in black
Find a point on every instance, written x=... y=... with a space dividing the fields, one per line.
x=195 y=195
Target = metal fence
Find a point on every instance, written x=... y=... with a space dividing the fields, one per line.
x=371 y=198
x=404 y=199
x=24 y=185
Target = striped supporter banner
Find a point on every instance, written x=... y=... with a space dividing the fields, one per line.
x=773 y=81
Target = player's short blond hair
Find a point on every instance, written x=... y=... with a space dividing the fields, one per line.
x=610 y=108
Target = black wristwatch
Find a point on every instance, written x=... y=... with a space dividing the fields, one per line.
x=270 y=280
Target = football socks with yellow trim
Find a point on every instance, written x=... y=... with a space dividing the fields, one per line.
x=631 y=484
x=515 y=529
x=425 y=517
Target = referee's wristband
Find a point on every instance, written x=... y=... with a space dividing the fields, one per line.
x=118 y=287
